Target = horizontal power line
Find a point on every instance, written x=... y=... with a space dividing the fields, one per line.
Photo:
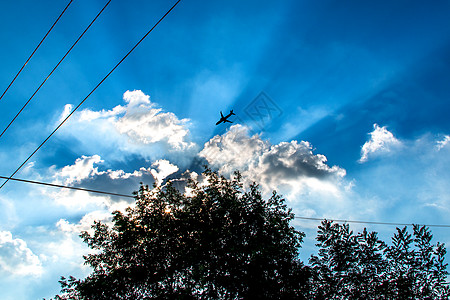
x=371 y=222
x=37 y=47
x=93 y=90
x=296 y=217
x=66 y=187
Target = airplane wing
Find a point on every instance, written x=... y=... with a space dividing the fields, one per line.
x=228 y=121
x=221 y=114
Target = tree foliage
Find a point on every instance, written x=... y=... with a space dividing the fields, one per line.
x=218 y=243
x=360 y=266
x=221 y=242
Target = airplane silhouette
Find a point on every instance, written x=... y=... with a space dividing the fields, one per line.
x=225 y=119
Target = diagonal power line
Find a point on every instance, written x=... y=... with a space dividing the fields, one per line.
x=104 y=78
x=66 y=187
x=57 y=65
x=37 y=47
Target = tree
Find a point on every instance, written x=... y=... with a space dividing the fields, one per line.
x=221 y=242
x=218 y=243
x=361 y=266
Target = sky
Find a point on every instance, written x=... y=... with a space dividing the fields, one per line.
x=341 y=106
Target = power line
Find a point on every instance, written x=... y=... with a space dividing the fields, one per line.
x=37 y=47
x=370 y=222
x=66 y=187
x=73 y=111
x=57 y=65
x=296 y=217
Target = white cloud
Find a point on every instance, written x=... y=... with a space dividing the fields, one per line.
x=86 y=170
x=165 y=168
x=66 y=112
x=136 y=98
x=139 y=121
x=294 y=164
x=381 y=141
x=290 y=167
x=82 y=169
x=16 y=258
x=146 y=124
x=442 y=143
x=121 y=174
x=89 y=115
x=85 y=223
x=234 y=150
x=77 y=200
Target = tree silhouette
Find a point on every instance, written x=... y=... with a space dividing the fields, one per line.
x=223 y=242
x=218 y=243
x=361 y=266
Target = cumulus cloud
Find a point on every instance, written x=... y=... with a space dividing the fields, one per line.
x=144 y=123
x=77 y=200
x=295 y=165
x=85 y=223
x=288 y=164
x=164 y=169
x=139 y=120
x=296 y=159
x=234 y=150
x=84 y=168
x=381 y=141
x=16 y=258
x=89 y=115
x=121 y=174
x=85 y=172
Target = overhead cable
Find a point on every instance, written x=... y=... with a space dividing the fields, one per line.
x=66 y=187
x=370 y=222
x=73 y=111
x=57 y=65
x=296 y=217
x=37 y=47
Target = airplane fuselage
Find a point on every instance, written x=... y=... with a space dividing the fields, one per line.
x=225 y=119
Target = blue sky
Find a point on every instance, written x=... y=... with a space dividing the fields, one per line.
x=359 y=129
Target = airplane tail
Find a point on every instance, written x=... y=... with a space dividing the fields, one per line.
x=231 y=112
